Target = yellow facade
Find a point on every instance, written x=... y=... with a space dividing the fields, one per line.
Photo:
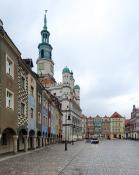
x=117 y=126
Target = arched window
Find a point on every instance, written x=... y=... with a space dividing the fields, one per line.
x=42 y=53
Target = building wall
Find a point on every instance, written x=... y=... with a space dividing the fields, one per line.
x=45 y=113
x=22 y=96
x=31 y=103
x=106 y=127
x=39 y=108
x=117 y=126
x=98 y=125
x=8 y=117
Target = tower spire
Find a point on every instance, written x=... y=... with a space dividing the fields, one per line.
x=45 y=20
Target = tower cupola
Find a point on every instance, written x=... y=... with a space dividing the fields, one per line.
x=45 y=49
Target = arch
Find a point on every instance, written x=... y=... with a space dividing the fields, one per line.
x=42 y=53
x=31 y=139
x=38 y=141
x=9 y=130
x=7 y=140
x=39 y=133
x=31 y=132
x=22 y=132
x=46 y=134
x=20 y=143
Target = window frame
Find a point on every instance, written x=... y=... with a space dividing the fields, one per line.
x=39 y=98
x=7 y=103
x=32 y=91
x=24 y=108
x=23 y=77
x=31 y=112
x=8 y=60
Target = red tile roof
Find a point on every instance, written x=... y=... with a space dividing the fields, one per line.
x=116 y=115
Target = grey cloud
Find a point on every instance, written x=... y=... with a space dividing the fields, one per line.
x=98 y=41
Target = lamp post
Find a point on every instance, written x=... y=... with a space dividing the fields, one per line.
x=66 y=148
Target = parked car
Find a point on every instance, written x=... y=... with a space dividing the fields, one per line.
x=94 y=141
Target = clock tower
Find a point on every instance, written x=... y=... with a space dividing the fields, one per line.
x=45 y=64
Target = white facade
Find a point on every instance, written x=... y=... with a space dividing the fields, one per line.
x=69 y=96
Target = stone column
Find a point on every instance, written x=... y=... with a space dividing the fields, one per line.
x=46 y=141
x=25 y=143
x=15 y=137
x=43 y=141
x=34 y=142
x=40 y=141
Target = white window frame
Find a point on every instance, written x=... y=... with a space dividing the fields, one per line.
x=7 y=105
x=8 y=58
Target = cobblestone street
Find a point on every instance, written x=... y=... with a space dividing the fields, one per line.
x=117 y=157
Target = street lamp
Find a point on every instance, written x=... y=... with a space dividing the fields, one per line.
x=66 y=148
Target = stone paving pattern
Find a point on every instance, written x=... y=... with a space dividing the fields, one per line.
x=117 y=157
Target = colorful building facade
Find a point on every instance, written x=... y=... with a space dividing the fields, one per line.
x=117 y=126
x=30 y=115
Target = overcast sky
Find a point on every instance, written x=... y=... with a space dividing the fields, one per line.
x=97 y=39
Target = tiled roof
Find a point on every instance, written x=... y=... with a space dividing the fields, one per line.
x=116 y=115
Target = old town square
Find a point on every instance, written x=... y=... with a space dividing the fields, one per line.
x=69 y=90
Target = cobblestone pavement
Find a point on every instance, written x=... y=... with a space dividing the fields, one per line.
x=117 y=157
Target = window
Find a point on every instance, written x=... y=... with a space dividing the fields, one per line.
x=9 y=66
x=9 y=99
x=39 y=98
x=39 y=117
x=52 y=70
x=42 y=53
x=31 y=112
x=23 y=82
x=22 y=109
x=41 y=66
x=32 y=91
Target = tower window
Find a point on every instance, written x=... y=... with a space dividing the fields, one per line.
x=42 y=53
x=41 y=66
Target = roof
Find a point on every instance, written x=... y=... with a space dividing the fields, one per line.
x=66 y=70
x=76 y=86
x=116 y=115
